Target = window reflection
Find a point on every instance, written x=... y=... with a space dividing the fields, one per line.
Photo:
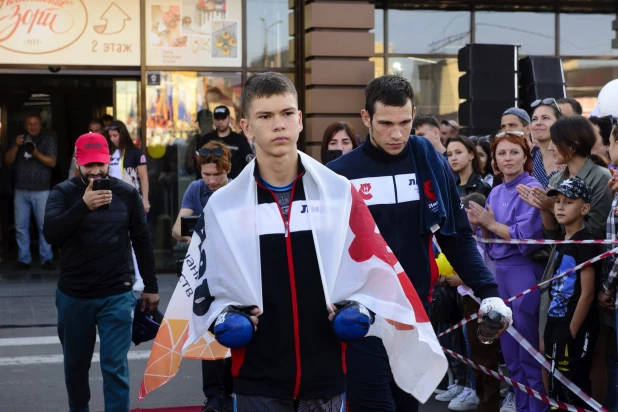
x=267 y=33
x=378 y=31
x=428 y=32
x=586 y=78
x=177 y=109
x=127 y=104
x=587 y=35
x=435 y=83
x=535 y=32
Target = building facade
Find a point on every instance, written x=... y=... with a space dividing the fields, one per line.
x=161 y=66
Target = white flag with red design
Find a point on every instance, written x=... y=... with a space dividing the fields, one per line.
x=223 y=268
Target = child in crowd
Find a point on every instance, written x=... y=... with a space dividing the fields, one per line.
x=572 y=324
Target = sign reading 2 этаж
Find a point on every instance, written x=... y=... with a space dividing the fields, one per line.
x=70 y=32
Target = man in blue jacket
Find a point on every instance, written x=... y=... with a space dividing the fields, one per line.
x=412 y=196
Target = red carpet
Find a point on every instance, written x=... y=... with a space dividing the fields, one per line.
x=171 y=409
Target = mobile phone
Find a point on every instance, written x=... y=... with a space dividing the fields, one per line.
x=333 y=154
x=102 y=184
x=187 y=225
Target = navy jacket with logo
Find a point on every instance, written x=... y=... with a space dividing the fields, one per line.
x=388 y=185
x=294 y=352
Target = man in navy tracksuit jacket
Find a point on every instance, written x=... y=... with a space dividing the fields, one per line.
x=382 y=170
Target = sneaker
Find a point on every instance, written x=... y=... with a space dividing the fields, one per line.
x=450 y=394
x=21 y=266
x=48 y=265
x=213 y=404
x=228 y=403
x=509 y=403
x=465 y=401
x=138 y=286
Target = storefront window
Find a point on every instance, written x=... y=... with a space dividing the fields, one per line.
x=268 y=33
x=428 y=32
x=534 y=32
x=435 y=83
x=127 y=104
x=586 y=78
x=587 y=35
x=378 y=31
x=177 y=109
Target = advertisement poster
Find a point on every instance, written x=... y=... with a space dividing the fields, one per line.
x=194 y=33
x=70 y=32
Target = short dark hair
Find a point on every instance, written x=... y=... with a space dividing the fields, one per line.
x=264 y=85
x=475 y=197
x=107 y=118
x=573 y=132
x=577 y=108
x=96 y=121
x=330 y=131
x=605 y=127
x=390 y=90
x=427 y=119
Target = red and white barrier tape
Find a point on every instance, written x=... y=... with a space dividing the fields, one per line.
x=525 y=292
x=518 y=385
x=547 y=241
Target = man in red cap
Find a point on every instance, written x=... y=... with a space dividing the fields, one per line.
x=94 y=230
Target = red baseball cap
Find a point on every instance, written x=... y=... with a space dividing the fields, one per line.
x=91 y=148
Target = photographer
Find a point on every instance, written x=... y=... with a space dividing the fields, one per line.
x=215 y=162
x=34 y=157
x=95 y=230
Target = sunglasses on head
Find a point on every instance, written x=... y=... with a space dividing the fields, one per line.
x=449 y=124
x=550 y=101
x=108 y=128
x=216 y=152
x=480 y=139
x=511 y=132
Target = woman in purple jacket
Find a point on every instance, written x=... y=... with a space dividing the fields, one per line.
x=508 y=217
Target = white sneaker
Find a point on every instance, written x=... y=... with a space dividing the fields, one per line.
x=450 y=394
x=138 y=286
x=465 y=401
x=509 y=403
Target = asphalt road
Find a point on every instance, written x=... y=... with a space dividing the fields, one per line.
x=31 y=369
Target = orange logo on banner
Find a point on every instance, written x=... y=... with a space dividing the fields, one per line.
x=41 y=26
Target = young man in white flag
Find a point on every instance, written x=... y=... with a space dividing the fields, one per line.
x=285 y=266
x=413 y=197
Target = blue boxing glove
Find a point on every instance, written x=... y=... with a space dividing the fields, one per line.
x=352 y=320
x=233 y=327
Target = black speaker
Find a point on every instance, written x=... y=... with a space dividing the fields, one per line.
x=489 y=86
x=541 y=77
x=483 y=116
x=487 y=57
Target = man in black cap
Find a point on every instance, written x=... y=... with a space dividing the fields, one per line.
x=238 y=144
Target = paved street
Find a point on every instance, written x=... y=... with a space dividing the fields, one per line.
x=31 y=375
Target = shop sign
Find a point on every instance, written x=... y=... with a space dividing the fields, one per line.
x=70 y=32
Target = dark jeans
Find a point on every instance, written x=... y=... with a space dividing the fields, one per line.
x=78 y=320
x=259 y=404
x=217 y=377
x=370 y=383
x=487 y=387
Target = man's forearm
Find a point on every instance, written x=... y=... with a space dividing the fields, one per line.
x=49 y=161
x=10 y=156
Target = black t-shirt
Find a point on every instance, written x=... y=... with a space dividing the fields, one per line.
x=566 y=291
x=238 y=145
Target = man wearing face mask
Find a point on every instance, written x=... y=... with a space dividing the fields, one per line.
x=238 y=144
x=34 y=157
x=94 y=230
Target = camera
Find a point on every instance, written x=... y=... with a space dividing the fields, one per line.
x=28 y=144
